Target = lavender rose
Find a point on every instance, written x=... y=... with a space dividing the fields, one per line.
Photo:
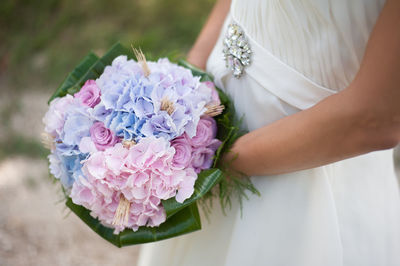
x=205 y=132
x=202 y=158
x=89 y=94
x=102 y=137
x=183 y=152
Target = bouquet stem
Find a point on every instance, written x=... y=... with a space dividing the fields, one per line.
x=122 y=213
x=214 y=109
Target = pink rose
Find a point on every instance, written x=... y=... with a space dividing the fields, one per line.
x=214 y=144
x=102 y=137
x=214 y=92
x=205 y=132
x=183 y=152
x=89 y=93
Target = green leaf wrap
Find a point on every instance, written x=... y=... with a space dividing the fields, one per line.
x=206 y=180
x=185 y=221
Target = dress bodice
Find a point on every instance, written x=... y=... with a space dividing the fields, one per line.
x=323 y=39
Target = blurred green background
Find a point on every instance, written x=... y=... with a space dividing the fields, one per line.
x=42 y=40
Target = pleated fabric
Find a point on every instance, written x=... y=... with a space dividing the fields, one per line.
x=323 y=39
x=342 y=214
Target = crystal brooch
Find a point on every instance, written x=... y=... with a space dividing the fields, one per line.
x=236 y=52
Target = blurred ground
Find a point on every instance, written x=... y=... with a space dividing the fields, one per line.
x=35 y=229
x=41 y=41
x=35 y=226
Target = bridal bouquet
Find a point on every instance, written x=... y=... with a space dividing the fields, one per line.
x=136 y=144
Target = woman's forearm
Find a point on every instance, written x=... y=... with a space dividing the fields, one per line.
x=209 y=34
x=362 y=118
x=314 y=137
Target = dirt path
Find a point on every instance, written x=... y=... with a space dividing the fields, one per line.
x=34 y=229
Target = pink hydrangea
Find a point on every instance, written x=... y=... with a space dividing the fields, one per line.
x=144 y=175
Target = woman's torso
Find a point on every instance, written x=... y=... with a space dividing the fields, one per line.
x=345 y=213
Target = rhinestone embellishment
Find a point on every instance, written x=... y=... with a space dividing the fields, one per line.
x=236 y=52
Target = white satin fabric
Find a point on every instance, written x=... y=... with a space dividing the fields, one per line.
x=342 y=214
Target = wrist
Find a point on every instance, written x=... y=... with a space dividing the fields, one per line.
x=232 y=159
x=197 y=59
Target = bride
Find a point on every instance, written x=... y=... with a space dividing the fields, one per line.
x=321 y=99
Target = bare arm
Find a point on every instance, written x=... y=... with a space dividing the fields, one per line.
x=209 y=34
x=362 y=118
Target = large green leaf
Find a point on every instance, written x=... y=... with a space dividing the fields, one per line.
x=72 y=78
x=185 y=221
x=91 y=67
x=195 y=70
x=206 y=180
x=84 y=215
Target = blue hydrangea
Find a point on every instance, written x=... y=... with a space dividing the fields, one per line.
x=131 y=103
x=66 y=168
x=78 y=122
x=125 y=124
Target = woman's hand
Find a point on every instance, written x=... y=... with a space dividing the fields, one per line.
x=362 y=118
x=204 y=44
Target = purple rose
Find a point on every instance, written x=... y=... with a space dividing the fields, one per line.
x=206 y=131
x=214 y=144
x=183 y=152
x=202 y=158
x=89 y=93
x=102 y=137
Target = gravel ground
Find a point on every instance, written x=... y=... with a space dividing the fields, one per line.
x=35 y=226
x=37 y=229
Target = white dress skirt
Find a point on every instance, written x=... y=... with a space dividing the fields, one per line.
x=345 y=213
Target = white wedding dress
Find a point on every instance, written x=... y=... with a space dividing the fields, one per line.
x=345 y=213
